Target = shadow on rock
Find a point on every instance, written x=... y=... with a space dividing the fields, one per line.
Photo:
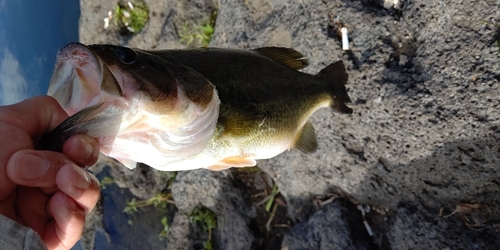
x=138 y=230
x=407 y=199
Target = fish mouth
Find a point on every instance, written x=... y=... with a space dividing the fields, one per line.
x=81 y=79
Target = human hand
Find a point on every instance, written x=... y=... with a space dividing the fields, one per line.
x=47 y=191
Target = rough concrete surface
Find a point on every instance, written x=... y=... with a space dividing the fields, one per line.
x=423 y=139
x=327 y=228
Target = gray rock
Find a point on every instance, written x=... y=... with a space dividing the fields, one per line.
x=425 y=129
x=413 y=225
x=160 y=32
x=178 y=237
x=424 y=81
x=214 y=191
x=338 y=225
x=139 y=230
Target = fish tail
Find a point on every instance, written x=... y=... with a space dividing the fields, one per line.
x=337 y=77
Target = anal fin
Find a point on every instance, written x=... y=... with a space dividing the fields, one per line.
x=305 y=140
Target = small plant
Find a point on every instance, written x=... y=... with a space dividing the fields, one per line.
x=160 y=201
x=164 y=233
x=130 y=17
x=169 y=176
x=207 y=220
x=200 y=33
x=270 y=203
x=273 y=194
x=106 y=181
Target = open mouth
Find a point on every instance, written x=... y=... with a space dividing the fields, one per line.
x=79 y=78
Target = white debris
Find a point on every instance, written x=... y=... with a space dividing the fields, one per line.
x=388 y=4
x=126 y=14
x=364 y=210
x=130 y=5
x=368 y=228
x=106 y=23
x=403 y=59
x=345 y=39
x=107 y=19
x=396 y=4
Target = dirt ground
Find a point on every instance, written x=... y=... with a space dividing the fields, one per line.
x=420 y=150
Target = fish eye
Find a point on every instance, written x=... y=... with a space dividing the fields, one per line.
x=126 y=55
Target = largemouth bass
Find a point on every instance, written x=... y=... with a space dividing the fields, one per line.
x=186 y=109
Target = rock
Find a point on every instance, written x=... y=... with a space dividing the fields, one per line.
x=338 y=225
x=178 y=237
x=425 y=129
x=139 y=230
x=424 y=81
x=214 y=191
x=413 y=225
x=160 y=32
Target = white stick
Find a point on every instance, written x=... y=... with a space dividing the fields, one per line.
x=345 y=39
x=368 y=228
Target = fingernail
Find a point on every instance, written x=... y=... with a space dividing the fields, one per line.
x=81 y=179
x=33 y=167
x=87 y=147
x=70 y=204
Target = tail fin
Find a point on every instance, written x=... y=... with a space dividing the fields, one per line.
x=336 y=75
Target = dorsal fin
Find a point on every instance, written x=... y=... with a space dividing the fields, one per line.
x=305 y=140
x=286 y=56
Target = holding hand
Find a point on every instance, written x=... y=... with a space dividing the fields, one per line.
x=49 y=192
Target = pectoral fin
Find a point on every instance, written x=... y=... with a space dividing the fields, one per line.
x=128 y=163
x=234 y=161
x=305 y=140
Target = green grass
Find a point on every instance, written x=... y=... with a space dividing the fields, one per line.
x=132 y=19
x=207 y=219
x=106 y=181
x=202 y=34
x=166 y=228
x=275 y=191
x=159 y=201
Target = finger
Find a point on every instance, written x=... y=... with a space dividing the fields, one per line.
x=80 y=185
x=32 y=117
x=67 y=227
x=31 y=208
x=82 y=149
x=35 y=168
x=36 y=116
x=16 y=140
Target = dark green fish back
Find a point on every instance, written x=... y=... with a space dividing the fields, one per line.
x=262 y=75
